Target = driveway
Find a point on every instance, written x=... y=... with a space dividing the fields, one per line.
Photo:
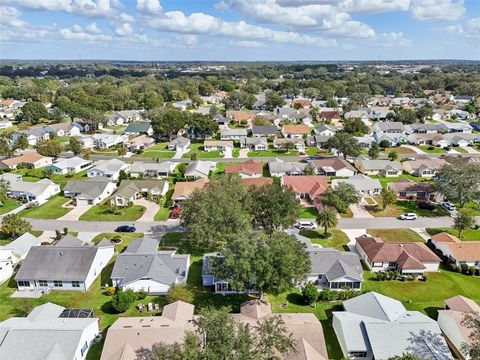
x=228 y=153
x=243 y=154
x=414 y=148
x=470 y=150
x=151 y=209
x=359 y=212
x=76 y=212
x=178 y=154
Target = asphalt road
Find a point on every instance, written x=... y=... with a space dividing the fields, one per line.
x=160 y=227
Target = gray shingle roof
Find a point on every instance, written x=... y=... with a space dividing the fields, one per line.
x=90 y=188
x=335 y=264
x=264 y=130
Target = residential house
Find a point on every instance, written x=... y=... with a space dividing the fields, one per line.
x=461 y=139
x=364 y=185
x=295 y=131
x=33 y=135
x=279 y=168
x=221 y=120
x=257 y=182
x=142 y=267
x=361 y=114
x=130 y=190
x=379 y=113
x=451 y=322
x=284 y=112
x=394 y=139
x=423 y=166
x=182 y=105
x=384 y=168
x=152 y=170
x=215 y=145
x=106 y=141
x=38 y=192
x=307 y=187
x=437 y=128
x=11 y=104
x=139 y=143
x=240 y=117
x=14 y=252
x=87 y=142
x=123 y=117
x=109 y=169
x=185 y=189
x=62 y=129
x=333 y=166
x=406 y=258
x=199 y=169
x=365 y=141
x=304 y=103
x=329 y=116
x=254 y=143
x=248 y=169
x=92 y=191
x=389 y=127
x=428 y=139
x=462 y=159
x=457 y=251
x=408 y=189
x=179 y=144
x=139 y=128
x=333 y=269
x=129 y=336
x=49 y=332
x=31 y=160
x=374 y=326
x=457 y=114
x=5 y=124
x=232 y=134
x=264 y=131
x=72 y=165
x=325 y=130
x=299 y=143
x=71 y=264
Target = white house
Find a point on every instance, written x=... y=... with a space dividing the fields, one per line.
x=374 y=326
x=142 y=267
x=232 y=134
x=123 y=117
x=49 y=332
x=364 y=185
x=109 y=169
x=39 y=191
x=152 y=170
x=71 y=165
x=200 y=169
x=91 y=191
x=71 y=264
x=106 y=141
x=14 y=252
x=62 y=129
x=4 y=124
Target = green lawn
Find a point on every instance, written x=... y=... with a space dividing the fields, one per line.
x=127 y=238
x=164 y=212
x=472 y=206
x=460 y=150
x=337 y=239
x=467 y=235
x=198 y=149
x=435 y=150
x=396 y=235
x=50 y=210
x=160 y=154
x=385 y=180
x=32 y=174
x=61 y=139
x=272 y=153
x=8 y=205
x=102 y=212
x=404 y=206
x=308 y=213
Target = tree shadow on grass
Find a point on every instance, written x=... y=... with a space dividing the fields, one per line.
x=107 y=308
x=295 y=299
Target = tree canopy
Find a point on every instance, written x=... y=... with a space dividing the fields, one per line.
x=459 y=181
x=345 y=143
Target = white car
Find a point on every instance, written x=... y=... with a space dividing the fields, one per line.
x=408 y=216
x=449 y=206
x=308 y=225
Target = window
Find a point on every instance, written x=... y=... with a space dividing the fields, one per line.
x=24 y=283
x=42 y=283
x=76 y=284
x=84 y=348
x=358 y=354
x=57 y=283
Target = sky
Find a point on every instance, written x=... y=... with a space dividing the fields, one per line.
x=239 y=30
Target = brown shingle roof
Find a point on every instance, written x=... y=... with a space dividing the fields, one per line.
x=335 y=162
x=251 y=167
x=259 y=182
x=462 y=304
x=23 y=159
x=296 y=129
x=188 y=187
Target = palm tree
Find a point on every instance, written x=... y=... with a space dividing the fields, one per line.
x=327 y=218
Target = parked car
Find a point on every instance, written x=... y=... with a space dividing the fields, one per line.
x=449 y=206
x=448 y=148
x=307 y=225
x=125 y=228
x=408 y=216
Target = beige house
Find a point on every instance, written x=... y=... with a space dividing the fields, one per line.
x=31 y=160
x=423 y=167
x=213 y=145
x=384 y=168
x=131 y=190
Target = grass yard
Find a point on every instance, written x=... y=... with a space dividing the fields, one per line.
x=272 y=153
x=472 y=206
x=127 y=238
x=460 y=150
x=396 y=235
x=8 y=205
x=399 y=150
x=102 y=212
x=337 y=239
x=435 y=150
x=467 y=235
x=164 y=212
x=61 y=139
x=50 y=210
x=385 y=180
x=160 y=154
x=201 y=154
x=34 y=175
x=308 y=213
x=404 y=206
x=347 y=214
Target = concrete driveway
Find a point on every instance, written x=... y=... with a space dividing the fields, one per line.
x=414 y=148
x=151 y=209
x=470 y=150
x=243 y=154
x=359 y=212
x=76 y=212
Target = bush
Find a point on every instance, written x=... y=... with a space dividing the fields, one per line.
x=472 y=270
x=180 y=292
x=328 y=295
x=424 y=278
x=310 y=293
x=122 y=300
x=426 y=205
x=464 y=268
x=141 y=294
x=111 y=290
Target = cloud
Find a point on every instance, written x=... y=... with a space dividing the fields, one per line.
x=92 y=29
x=393 y=39
x=320 y=16
x=203 y=24
x=248 y=44
x=10 y=17
x=373 y=6
x=437 y=9
x=185 y=39
x=149 y=7
x=84 y=8
x=471 y=29
x=124 y=30
x=87 y=33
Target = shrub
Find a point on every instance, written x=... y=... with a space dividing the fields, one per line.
x=472 y=270
x=310 y=293
x=327 y=295
x=122 y=300
x=58 y=235
x=424 y=278
x=380 y=276
x=141 y=294
x=425 y=205
x=111 y=290
x=180 y=292
x=464 y=268
x=65 y=230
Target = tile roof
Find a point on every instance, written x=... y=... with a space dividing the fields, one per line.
x=462 y=304
x=186 y=188
x=296 y=129
x=257 y=182
x=461 y=250
x=25 y=158
x=314 y=185
x=250 y=167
